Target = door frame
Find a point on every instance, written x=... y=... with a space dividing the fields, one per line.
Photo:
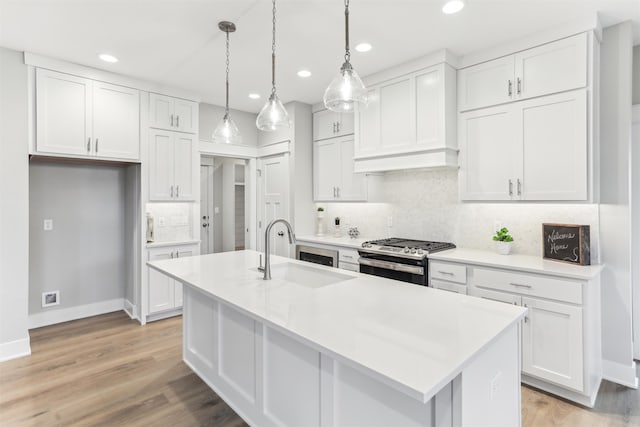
x=634 y=188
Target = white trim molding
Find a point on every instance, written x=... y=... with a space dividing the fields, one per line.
x=620 y=374
x=14 y=349
x=52 y=317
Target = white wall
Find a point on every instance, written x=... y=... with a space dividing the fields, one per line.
x=14 y=207
x=83 y=257
x=636 y=75
x=615 y=142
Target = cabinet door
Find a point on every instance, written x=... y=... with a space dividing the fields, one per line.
x=184 y=169
x=185 y=115
x=63 y=113
x=161 y=114
x=490 y=154
x=161 y=286
x=116 y=121
x=397 y=115
x=325 y=124
x=486 y=84
x=555 y=146
x=326 y=169
x=352 y=186
x=551 y=68
x=430 y=105
x=552 y=342
x=345 y=124
x=161 y=160
x=367 y=125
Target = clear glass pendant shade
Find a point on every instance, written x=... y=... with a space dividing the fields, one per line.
x=273 y=115
x=345 y=91
x=227 y=132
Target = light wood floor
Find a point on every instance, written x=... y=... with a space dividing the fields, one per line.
x=108 y=370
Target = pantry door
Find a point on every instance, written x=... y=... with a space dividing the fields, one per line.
x=273 y=202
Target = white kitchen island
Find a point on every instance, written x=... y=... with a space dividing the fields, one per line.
x=317 y=346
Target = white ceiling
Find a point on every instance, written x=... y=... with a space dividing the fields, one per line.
x=177 y=42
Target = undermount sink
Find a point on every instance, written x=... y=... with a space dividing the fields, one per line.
x=304 y=275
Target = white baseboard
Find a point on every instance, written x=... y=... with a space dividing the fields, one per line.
x=52 y=316
x=131 y=309
x=14 y=349
x=620 y=374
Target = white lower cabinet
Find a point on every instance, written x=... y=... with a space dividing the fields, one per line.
x=165 y=293
x=560 y=336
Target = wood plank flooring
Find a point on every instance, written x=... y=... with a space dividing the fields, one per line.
x=110 y=371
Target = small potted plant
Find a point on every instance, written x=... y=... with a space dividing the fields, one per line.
x=503 y=241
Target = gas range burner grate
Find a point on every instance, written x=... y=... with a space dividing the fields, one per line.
x=427 y=246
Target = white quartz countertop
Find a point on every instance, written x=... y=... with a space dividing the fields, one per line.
x=413 y=338
x=526 y=263
x=345 y=241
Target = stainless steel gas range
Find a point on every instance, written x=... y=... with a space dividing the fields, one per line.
x=400 y=259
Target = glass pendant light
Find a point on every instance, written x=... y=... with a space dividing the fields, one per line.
x=227 y=132
x=346 y=90
x=273 y=115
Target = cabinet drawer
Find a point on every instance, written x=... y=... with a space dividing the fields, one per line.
x=447 y=286
x=349 y=266
x=450 y=272
x=348 y=255
x=528 y=284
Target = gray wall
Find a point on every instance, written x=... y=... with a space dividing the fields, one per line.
x=84 y=255
x=14 y=206
x=636 y=75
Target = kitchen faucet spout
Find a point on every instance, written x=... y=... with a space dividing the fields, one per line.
x=267 y=232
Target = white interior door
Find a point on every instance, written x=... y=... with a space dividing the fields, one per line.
x=273 y=201
x=206 y=206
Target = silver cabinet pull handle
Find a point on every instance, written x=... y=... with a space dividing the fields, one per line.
x=337 y=126
x=448 y=273
x=520 y=285
x=171 y=255
x=519 y=187
x=510 y=188
x=172 y=120
x=177 y=254
x=177 y=121
x=338 y=192
x=510 y=88
x=88 y=144
x=97 y=140
x=519 y=86
x=334 y=192
x=347 y=256
x=172 y=191
x=334 y=127
x=177 y=191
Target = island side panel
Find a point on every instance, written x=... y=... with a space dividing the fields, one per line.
x=489 y=387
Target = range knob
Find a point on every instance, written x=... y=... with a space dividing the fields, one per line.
x=406 y=250
x=420 y=251
x=414 y=250
x=367 y=245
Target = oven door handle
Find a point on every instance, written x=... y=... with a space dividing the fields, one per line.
x=413 y=269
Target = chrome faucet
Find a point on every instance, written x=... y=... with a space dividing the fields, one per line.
x=267 y=263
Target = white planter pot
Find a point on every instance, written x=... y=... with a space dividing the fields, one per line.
x=504 y=247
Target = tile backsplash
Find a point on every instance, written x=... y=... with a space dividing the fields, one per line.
x=172 y=222
x=423 y=204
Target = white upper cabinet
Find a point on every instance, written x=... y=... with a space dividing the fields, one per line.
x=329 y=124
x=172 y=161
x=409 y=122
x=173 y=113
x=334 y=179
x=530 y=150
x=551 y=68
x=81 y=117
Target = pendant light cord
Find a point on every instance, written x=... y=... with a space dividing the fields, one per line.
x=273 y=51
x=226 y=108
x=347 y=53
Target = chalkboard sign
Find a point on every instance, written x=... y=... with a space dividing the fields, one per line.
x=567 y=243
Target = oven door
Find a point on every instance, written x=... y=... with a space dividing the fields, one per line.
x=394 y=270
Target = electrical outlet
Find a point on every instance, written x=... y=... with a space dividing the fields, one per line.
x=495 y=385
x=48 y=224
x=50 y=298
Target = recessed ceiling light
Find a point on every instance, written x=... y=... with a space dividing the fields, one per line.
x=254 y=96
x=453 y=6
x=304 y=73
x=363 y=47
x=107 y=58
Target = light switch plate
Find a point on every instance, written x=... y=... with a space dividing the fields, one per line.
x=48 y=225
